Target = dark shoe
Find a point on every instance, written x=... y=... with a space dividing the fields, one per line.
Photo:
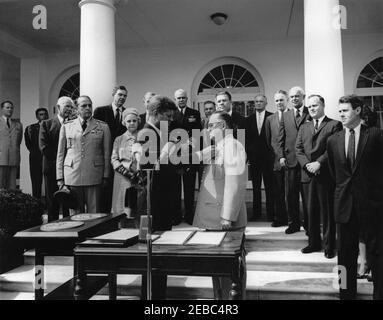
x=276 y=224
x=329 y=254
x=310 y=249
x=292 y=229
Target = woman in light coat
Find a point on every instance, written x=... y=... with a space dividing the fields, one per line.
x=122 y=162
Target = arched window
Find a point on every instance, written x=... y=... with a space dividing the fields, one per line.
x=370 y=87
x=227 y=76
x=231 y=74
x=71 y=87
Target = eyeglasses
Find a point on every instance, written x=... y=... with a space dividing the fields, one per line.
x=86 y=105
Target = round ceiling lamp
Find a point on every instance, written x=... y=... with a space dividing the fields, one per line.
x=219 y=18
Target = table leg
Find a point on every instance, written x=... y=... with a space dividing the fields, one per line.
x=80 y=281
x=238 y=276
x=112 y=286
x=39 y=275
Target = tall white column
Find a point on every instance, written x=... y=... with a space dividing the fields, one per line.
x=97 y=50
x=323 y=53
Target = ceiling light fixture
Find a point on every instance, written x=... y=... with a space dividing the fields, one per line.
x=218 y=18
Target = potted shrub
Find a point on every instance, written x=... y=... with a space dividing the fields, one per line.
x=18 y=211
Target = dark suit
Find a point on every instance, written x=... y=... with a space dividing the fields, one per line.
x=31 y=136
x=48 y=143
x=318 y=189
x=189 y=120
x=258 y=153
x=106 y=114
x=288 y=132
x=162 y=197
x=239 y=122
x=358 y=204
x=272 y=134
x=142 y=121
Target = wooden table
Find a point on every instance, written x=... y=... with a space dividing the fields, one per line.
x=198 y=260
x=61 y=243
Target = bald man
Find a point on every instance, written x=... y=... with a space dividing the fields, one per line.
x=48 y=143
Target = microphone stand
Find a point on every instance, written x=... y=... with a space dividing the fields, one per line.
x=149 y=235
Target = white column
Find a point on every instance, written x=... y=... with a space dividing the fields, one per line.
x=97 y=50
x=323 y=53
x=30 y=100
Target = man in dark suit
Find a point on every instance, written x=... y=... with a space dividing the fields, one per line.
x=187 y=119
x=223 y=103
x=160 y=111
x=288 y=130
x=272 y=124
x=355 y=157
x=31 y=136
x=48 y=143
x=112 y=115
x=144 y=115
x=258 y=153
x=317 y=186
x=208 y=109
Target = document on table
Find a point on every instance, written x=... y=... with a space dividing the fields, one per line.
x=174 y=237
x=119 y=235
x=207 y=238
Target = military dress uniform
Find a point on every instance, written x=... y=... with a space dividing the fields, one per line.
x=83 y=160
x=11 y=134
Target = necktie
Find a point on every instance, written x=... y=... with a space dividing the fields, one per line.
x=316 y=127
x=259 y=123
x=297 y=115
x=118 y=115
x=351 y=149
x=84 y=125
x=8 y=124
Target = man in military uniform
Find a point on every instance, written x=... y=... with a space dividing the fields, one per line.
x=11 y=134
x=31 y=136
x=83 y=156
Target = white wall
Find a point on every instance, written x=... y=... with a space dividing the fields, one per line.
x=10 y=81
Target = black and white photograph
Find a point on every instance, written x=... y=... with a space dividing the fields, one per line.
x=201 y=153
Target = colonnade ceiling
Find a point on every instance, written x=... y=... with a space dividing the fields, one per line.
x=145 y=23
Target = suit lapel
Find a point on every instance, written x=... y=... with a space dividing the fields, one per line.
x=91 y=125
x=364 y=133
x=322 y=125
x=341 y=145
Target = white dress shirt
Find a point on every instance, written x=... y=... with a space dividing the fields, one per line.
x=260 y=118
x=347 y=137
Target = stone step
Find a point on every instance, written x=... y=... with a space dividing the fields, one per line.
x=260 y=284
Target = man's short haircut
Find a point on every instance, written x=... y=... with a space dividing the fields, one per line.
x=83 y=96
x=160 y=104
x=40 y=109
x=208 y=102
x=223 y=93
x=321 y=99
x=180 y=90
x=353 y=99
x=260 y=95
x=116 y=88
x=225 y=117
x=282 y=92
x=62 y=101
x=299 y=89
x=4 y=102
